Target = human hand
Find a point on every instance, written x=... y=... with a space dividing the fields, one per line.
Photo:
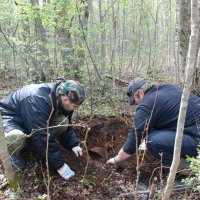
x=66 y=172
x=113 y=161
x=78 y=151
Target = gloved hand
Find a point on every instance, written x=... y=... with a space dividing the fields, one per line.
x=15 y=141
x=113 y=161
x=65 y=172
x=78 y=151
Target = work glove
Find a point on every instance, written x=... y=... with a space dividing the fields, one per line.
x=78 y=151
x=143 y=145
x=65 y=172
x=113 y=161
x=15 y=141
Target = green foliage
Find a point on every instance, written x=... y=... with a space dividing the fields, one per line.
x=93 y=175
x=195 y=167
x=72 y=39
x=86 y=182
x=42 y=197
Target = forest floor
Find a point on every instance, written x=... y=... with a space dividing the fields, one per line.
x=105 y=137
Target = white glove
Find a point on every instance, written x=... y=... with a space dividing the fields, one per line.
x=65 y=172
x=78 y=151
x=15 y=140
x=113 y=161
x=18 y=134
x=143 y=145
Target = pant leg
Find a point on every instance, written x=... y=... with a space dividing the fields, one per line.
x=15 y=141
x=163 y=142
x=38 y=142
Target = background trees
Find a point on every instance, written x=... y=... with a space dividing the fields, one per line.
x=94 y=42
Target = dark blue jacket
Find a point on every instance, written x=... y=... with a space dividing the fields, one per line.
x=159 y=110
x=30 y=108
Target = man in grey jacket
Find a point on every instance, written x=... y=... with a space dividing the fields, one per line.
x=29 y=110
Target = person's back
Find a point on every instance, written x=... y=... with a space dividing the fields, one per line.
x=162 y=105
x=12 y=109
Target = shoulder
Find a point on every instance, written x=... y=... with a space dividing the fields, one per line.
x=42 y=88
x=37 y=92
x=163 y=91
x=169 y=86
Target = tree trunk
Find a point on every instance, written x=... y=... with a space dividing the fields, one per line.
x=114 y=26
x=102 y=37
x=67 y=51
x=28 y=51
x=196 y=88
x=64 y=35
x=83 y=20
x=191 y=59
x=5 y=158
x=196 y=84
x=177 y=42
x=43 y=60
x=184 y=32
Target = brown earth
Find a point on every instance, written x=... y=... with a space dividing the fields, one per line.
x=105 y=138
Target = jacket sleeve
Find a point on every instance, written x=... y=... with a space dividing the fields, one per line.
x=68 y=139
x=143 y=123
x=35 y=111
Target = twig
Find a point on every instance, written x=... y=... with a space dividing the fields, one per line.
x=152 y=189
x=154 y=172
x=137 y=167
x=85 y=144
x=110 y=176
x=87 y=161
x=50 y=127
x=161 y=173
x=47 y=149
x=146 y=126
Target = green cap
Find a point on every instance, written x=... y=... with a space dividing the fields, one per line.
x=74 y=90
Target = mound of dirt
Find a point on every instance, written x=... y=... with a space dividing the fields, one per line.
x=105 y=138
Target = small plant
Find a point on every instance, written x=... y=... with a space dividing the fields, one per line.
x=18 y=192
x=93 y=175
x=18 y=170
x=42 y=197
x=104 y=183
x=195 y=167
x=36 y=180
x=86 y=182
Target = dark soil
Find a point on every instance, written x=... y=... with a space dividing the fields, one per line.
x=105 y=138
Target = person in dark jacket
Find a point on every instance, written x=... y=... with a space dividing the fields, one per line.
x=156 y=121
x=28 y=112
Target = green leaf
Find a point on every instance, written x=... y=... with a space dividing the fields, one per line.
x=85 y=182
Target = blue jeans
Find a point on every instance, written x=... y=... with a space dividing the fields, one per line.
x=162 y=141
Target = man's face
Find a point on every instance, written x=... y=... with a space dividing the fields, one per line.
x=66 y=104
x=138 y=98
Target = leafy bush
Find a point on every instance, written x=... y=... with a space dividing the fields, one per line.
x=195 y=167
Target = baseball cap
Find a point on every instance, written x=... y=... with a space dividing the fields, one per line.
x=133 y=86
x=74 y=90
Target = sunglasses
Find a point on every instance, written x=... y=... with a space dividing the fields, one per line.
x=131 y=95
